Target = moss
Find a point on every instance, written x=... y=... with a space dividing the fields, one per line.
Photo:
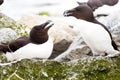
x=7 y=71
x=40 y=70
x=44 y=13
x=97 y=69
x=6 y=22
x=87 y=69
x=3 y=59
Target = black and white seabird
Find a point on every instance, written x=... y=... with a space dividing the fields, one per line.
x=38 y=45
x=94 y=33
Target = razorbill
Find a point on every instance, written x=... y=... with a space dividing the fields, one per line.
x=95 y=34
x=38 y=45
x=84 y=12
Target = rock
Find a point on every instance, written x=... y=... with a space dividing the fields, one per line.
x=6 y=22
x=116 y=32
x=111 y=20
x=82 y=69
x=60 y=47
x=7 y=35
x=80 y=51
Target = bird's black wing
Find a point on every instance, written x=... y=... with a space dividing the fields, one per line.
x=18 y=43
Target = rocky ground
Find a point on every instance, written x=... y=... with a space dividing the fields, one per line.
x=82 y=69
x=78 y=65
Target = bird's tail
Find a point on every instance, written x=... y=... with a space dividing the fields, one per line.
x=115 y=46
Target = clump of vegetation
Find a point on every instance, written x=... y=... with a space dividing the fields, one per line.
x=3 y=59
x=87 y=69
x=44 y=13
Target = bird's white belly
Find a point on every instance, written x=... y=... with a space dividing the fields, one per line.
x=97 y=38
x=32 y=51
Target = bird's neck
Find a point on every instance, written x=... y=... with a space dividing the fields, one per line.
x=39 y=39
x=96 y=22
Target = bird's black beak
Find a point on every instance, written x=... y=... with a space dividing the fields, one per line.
x=45 y=25
x=67 y=13
x=49 y=25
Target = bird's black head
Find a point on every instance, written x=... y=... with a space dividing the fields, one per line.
x=39 y=33
x=83 y=11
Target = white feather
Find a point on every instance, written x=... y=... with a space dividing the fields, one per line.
x=32 y=51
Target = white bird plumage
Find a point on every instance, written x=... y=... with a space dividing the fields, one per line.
x=95 y=36
x=31 y=50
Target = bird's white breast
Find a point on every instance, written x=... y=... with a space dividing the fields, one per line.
x=96 y=37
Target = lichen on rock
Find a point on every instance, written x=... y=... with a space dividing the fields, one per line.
x=6 y=22
x=7 y=35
